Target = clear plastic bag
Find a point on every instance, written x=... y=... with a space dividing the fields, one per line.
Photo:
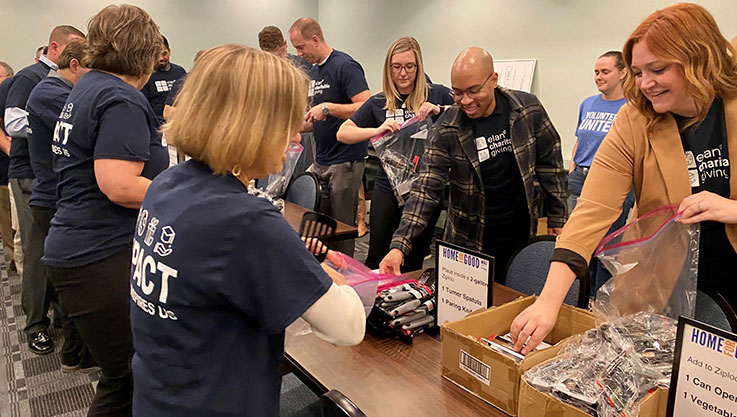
x=362 y=279
x=277 y=183
x=400 y=154
x=654 y=265
x=608 y=370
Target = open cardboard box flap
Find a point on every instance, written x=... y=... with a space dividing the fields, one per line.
x=501 y=389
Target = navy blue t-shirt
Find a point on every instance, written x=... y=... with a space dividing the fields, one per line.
x=25 y=81
x=158 y=87
x=507 y=217
x=4 y=158
x=103 y=118
x=336 y=81
x=218 y=274
x=709 y=169
x=372 y=114
x=44 y=106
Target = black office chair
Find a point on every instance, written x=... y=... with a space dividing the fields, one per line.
x=713 y=309
x=528 y=269
x=335 y=404
x=304 y=191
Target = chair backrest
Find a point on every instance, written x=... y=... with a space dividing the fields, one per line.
x=528 y=269
x=335 y=404
x=304 y=191
x=713 y=309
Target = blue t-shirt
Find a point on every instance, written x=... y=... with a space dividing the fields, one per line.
x=595 y=118
x=103 y=118
x=23 y=84
x=372 y=114
x=336 y=81
x=44 y=106
x=218 y=275
x=4 y=158
x=158 y=87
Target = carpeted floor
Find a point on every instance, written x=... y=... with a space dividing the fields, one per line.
x=33 y=385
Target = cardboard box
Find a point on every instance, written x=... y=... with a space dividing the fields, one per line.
x=533 y=403
x=489 y=375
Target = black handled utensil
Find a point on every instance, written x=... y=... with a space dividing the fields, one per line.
x=317 y=227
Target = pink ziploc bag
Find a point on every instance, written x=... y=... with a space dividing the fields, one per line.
x=277 y=183
x=654 y=265
x=363 y=280
x=400 y=153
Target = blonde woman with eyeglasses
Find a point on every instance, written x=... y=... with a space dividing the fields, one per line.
x=410 y=95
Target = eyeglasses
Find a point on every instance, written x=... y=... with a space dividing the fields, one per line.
x=410 y=68
x=472 y=92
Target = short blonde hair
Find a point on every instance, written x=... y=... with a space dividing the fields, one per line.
x=123 y=40
x=687 y=35
x=236 y=104
x=419 y=89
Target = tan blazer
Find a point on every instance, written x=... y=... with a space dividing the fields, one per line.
x=653 y=161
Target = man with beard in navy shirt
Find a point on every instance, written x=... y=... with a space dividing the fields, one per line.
x=33 y=287
x=162 y=80
x=337 y=89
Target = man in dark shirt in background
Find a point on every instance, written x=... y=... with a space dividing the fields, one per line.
x=160 y=84
x=33 y=288
x=338 y=88
x=271 y=40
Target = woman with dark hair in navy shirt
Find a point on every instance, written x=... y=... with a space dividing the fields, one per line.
x=106 y=151
x=409 y=96
x=218 y=273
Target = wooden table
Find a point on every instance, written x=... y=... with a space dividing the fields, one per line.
x=293 y=215
x=385 y=377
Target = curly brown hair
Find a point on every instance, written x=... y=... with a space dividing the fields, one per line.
x=123 y=40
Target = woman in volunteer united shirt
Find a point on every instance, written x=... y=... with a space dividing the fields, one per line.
x=673 y=141
x=218 y=273
x=410 y=95
x=595 y=117
x=106 y=151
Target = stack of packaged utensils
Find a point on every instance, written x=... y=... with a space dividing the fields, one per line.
x=405 y=309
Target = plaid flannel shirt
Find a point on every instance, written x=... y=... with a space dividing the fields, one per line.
x=451 y=157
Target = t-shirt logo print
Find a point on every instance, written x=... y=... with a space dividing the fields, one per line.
x=163 y=85
x=66 y=112
x=163 y=248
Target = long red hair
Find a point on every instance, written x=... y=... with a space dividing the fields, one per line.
x=687 y=35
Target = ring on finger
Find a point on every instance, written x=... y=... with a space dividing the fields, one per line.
x=699 y=207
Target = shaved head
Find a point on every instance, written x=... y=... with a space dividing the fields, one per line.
x=474 y=58
x=473 y=80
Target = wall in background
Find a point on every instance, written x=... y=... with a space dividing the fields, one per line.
x=566 y=37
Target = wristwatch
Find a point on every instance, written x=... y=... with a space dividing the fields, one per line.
x=325 y=110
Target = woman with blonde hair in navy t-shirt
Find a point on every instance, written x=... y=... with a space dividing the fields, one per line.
x=223 y=274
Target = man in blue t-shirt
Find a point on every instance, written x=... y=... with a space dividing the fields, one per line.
x=6 y=223
x=337 y=89
x=160 y=84
x=44 y=106
x=33 y=289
